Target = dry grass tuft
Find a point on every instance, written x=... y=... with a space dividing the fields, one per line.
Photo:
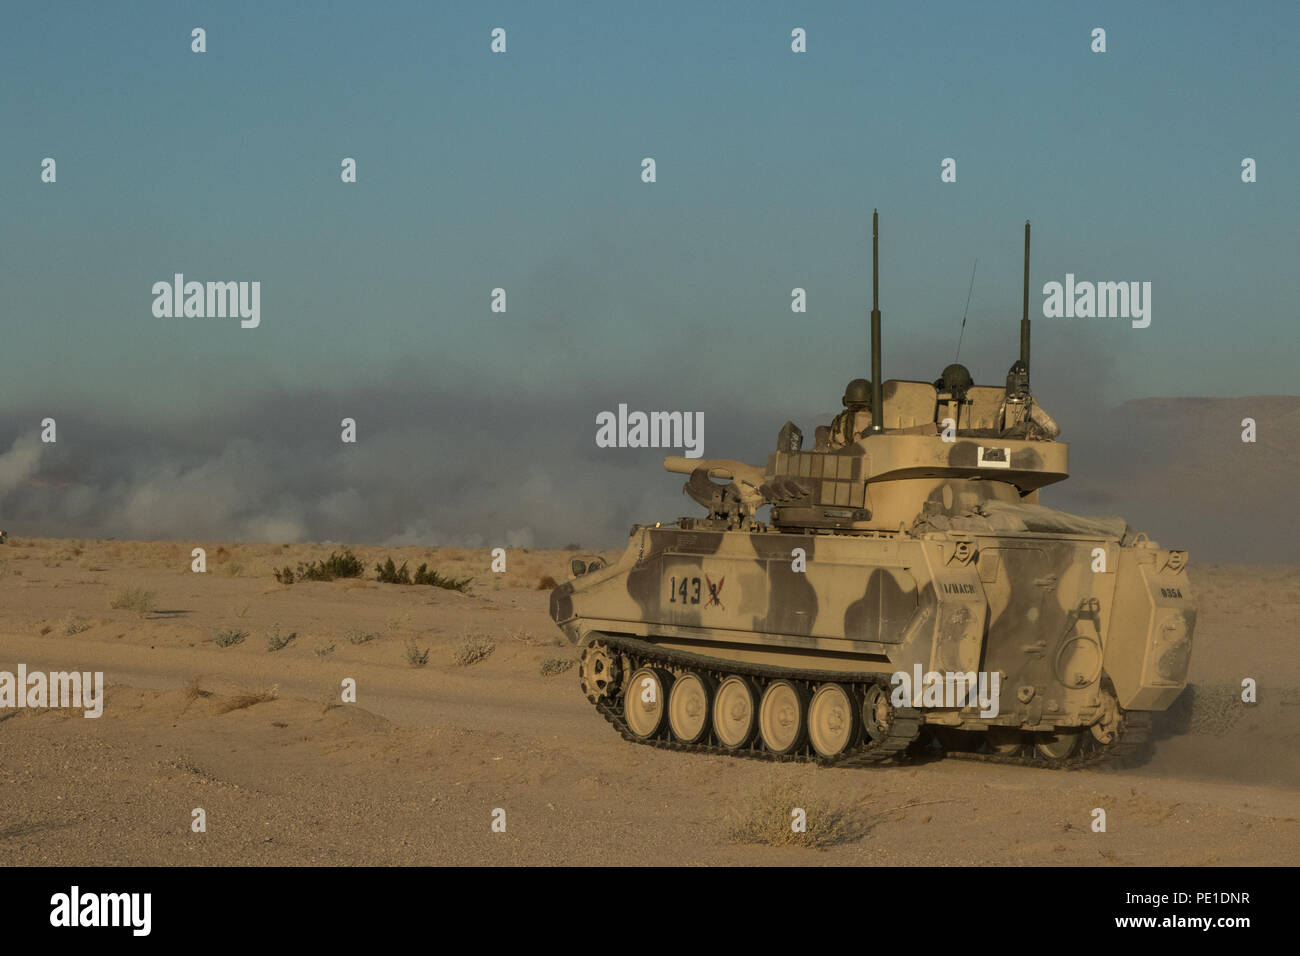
x=249 y=698
x=556 y=665
x=229 y=637
x=356 y=635
x=471 y=649
x=414 y=656
x=72 y=624
x=133 y=599
x=193 y=691
x=766 y=816
x=276 y=641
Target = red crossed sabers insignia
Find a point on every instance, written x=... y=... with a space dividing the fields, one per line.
x=714 y=591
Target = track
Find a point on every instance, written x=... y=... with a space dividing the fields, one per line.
x=1129 y=747
x=904 y=734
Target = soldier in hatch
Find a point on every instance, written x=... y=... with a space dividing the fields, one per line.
x=955 y=380
x=952 y=386
x=852 y=423
x=1020 y=416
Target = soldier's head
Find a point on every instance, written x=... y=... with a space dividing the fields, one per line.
x=956 y=380
x=857 y=394
x=1018 y=381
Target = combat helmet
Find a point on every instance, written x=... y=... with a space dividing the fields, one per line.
x=857 y=394
x=956 y=379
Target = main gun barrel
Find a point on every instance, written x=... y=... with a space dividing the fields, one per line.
x=717 y=468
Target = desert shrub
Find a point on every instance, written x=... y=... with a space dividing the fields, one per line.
x=414 y=656
x=357 y=636
x=345 y=565
x=229 y=637
x=71 y=624
x=389 y=573
x=324 y=651
x=471 y=649
x=193 y=690
x=423 y=575
x=766 y=816
x=546 y=583
x=275 y=640
x=556 y=665
x=133 y=599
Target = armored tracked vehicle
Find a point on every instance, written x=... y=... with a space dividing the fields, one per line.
x=907 y=591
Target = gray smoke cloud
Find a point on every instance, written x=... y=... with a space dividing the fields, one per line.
x=19 y=464
x=1178 y=469
x=435 y=467
x=429 y=467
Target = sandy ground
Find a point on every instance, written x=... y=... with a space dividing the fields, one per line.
x=414 y=770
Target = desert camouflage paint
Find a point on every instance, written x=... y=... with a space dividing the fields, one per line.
x=905 y=550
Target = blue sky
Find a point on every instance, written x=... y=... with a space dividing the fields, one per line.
x=522 y=171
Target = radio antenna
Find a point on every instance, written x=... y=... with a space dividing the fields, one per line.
x=966 y=310
x=877 y=403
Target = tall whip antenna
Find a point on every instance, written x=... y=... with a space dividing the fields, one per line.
x=966 y=310
x=1024 y=315
x=877 y=407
